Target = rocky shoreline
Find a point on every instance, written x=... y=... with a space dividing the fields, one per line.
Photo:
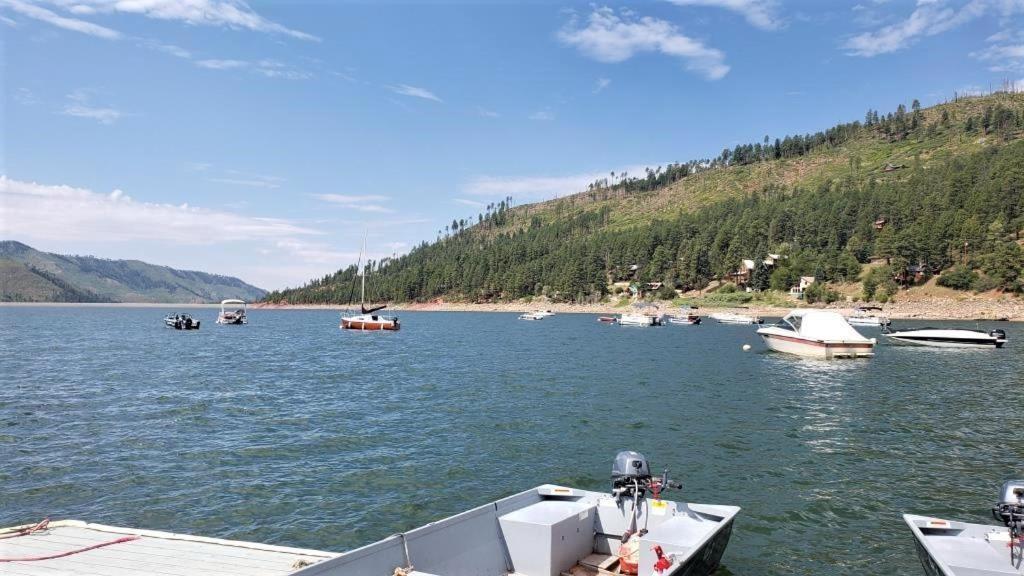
x=1008 y=308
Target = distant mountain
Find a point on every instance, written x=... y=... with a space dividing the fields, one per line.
x=28 y=275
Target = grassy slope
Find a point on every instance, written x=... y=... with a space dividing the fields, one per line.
x=873 y=151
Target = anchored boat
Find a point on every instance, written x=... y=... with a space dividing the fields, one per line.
x=532 y=316
x=950 y=548
x=950 y=337
x=181 y=322
x=817 y=334
x=686 y=316
x=731 y=318
x=235 y=316
x=545 y=531
x=637 y=320
x=868 y=316
x=367 y=319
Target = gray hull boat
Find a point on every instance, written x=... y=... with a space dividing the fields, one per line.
x=557 y=531
x=949 y=548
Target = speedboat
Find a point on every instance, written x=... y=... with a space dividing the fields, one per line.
x=532 y=316
x=636 y=319
x=731 y=318
x=817 y=334
x=607 y=319
x=950 y=548
x=181 y=322
x=236 y=316
x=867 y=316
x=543 y=313
x=950 y=337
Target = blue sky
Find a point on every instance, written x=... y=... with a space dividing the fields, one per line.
x=260 y=139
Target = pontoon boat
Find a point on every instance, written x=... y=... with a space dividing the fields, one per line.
x=236 y=316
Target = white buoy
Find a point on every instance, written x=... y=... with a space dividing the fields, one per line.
x=746 y=347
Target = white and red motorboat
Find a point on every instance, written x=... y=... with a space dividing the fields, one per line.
x=817 y=334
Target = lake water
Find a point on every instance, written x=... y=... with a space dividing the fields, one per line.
x=290 y=431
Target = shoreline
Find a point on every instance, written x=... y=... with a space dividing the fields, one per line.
x=966 y=309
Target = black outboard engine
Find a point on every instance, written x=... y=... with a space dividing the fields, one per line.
x=998 y=334
x=1010 y=511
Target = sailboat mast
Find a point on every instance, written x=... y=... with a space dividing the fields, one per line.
x=362 y=289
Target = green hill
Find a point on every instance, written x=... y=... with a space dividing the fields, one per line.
x=28 y=275
x=933 y=179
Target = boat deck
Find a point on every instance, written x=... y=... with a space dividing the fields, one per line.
x=150 y=553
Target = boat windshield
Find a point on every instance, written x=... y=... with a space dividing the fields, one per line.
x=793 y=322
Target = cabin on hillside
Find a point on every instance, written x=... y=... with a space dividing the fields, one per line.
x=772 y=259
x=742 y=276
x=913 y=274
x=798 y=290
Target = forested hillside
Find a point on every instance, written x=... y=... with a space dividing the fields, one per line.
x=28 y=275
x=918 y=189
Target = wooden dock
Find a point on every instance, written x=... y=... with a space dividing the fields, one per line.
x=98 y=550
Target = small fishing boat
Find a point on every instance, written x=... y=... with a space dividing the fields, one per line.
x=686 y=316
x=543 y=313
x=867 y=316
x=367 y=319
x=234 y=316
x=181 y=322
x=951 y=548
x=549 y=530
x=950 y=337
x=532 y=316
x=817 y=334
x=607 y=319
x=732 y=318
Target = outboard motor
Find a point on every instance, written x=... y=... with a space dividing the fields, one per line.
x=1010 y=511
x=998 y=334
x=631 y=479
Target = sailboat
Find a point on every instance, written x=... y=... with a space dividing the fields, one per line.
x=368 y=319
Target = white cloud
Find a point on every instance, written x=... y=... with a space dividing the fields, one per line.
x=473 y=203
x=1004 y=53
x=616 y=37
x=414 y=91
x=234 y=14
x=79 y=106
x=534 y=188
x=929 y=18
x=758 y=13
x=542 y=115
x=481 y=111
x=171 y=49
x=267 y=68
x=51 y=17
x=364 y=203
x=601 y=84
x=33 y=210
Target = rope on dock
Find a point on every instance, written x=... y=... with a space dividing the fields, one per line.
x=70 y=552
x=28 y=529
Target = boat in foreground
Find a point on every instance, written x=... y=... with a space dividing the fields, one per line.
x=951 y=548
x=950 y=337
x=731 y=318
x=868 y=316
x=229 y=316
x=817 y=334
x=181 y=322
x=545 y=531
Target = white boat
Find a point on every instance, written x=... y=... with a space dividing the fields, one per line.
x=543 y=313
x=181 y=322
x=637 y=320
x=731 y=318
x=235 y=316
x=686 y=316
x=367 y=319
x=950 y=337
x=867 y=316
x=951 y=548
x=817 y=334
x=532 y=316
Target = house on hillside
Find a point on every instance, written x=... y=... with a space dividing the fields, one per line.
x=772 y=259
x=798 y=290
x=742 y=276
x=913 y=274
